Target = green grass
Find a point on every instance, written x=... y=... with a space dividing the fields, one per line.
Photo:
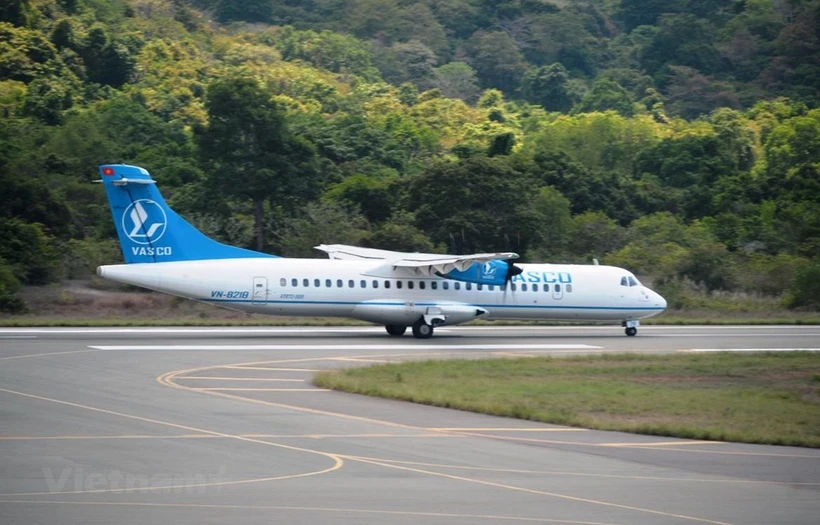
x=771 y=398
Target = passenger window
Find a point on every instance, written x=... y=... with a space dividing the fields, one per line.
x=421 y=285
x=339 y=283
x=375 y=283
x=328 y=283
x=434 y=285
x=387 y=284
x=351 y=284
x=363 y=283
x=445 y=285
x=409 y=285
x=491 y=287
x=569 y=288
x=523 y=287
x=502 y=287
x=480 y=287
x=624 y=281
x=317 y=283
x=306 y=283
x=469 y=286
x=283 y=282
x=513 y=287
x=557 y=287
x=398 y=285
x=457 y=286
x=294 y=282
x=535 y=288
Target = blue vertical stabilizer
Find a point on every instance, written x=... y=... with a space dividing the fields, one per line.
x=149 y=230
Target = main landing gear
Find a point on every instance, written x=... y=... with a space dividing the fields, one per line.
x=631 y=327
x=396 y=329
x=421 y=329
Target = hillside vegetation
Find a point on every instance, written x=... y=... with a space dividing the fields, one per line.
x=678 y=139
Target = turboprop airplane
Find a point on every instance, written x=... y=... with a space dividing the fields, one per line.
x=164 y=252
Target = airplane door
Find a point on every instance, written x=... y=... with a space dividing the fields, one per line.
x=260 y=290
x=557 y=291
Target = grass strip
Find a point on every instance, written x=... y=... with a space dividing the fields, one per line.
x=771 y=398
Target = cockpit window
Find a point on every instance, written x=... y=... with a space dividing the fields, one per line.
x=633 y=281
x=624 y=281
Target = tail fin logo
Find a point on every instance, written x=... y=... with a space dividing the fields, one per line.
x=144 y=221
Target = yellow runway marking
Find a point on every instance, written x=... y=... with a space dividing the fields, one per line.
x=136 y=436
x=312 y=509
x=497 y=429
x=262 y=389
x=49 y=353
x=663 y=444
x=585 y=474
x=208 y=436
x=337 y=460
x=274 y=369
x=244 y=379
x=535 y=491
x=637 y=445
x=359 y=360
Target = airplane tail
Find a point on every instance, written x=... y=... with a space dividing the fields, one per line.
x=148 y=229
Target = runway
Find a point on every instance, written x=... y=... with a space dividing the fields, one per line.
x=202 y=425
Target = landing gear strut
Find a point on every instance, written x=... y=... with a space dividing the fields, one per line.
x=396 y=329
x=422 y=330
x=631 y=327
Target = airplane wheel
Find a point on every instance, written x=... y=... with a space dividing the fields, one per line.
x=422 y=330
x=396 y=329
x=631 y=331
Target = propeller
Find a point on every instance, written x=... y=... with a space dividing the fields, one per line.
x=512 y=271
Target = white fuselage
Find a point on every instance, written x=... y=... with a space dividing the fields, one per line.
x=358 y=289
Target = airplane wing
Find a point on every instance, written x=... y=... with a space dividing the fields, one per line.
x=426 y=264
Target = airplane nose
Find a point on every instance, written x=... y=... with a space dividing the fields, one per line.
x=659 y=300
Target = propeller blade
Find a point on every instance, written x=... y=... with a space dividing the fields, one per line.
x=512 y=271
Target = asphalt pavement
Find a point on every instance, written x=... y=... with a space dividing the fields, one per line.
x=204 y=425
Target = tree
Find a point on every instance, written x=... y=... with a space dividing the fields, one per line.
x=548 y=86
x=457 y=80
x=321 y=223
x=407 y=62
x=633 y=13
x=555 y=232
x=593 y=234
x=804 y=291
x=243 y=10
x=682 y=40
x=474 y=205
x=497 y=59
x=16 y=12
x=607 y=94
x=248 y=151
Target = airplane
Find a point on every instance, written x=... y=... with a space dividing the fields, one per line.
x=165 y=253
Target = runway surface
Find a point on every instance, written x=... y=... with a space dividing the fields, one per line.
x=199 y=425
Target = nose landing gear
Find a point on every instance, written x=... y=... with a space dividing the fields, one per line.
x=631 y=327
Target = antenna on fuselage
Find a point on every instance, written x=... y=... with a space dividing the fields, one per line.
x=595 y=261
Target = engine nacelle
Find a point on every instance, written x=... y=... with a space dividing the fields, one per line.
x=387 y=312
x=492 y=272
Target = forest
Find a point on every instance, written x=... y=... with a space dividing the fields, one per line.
x=680 y=140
